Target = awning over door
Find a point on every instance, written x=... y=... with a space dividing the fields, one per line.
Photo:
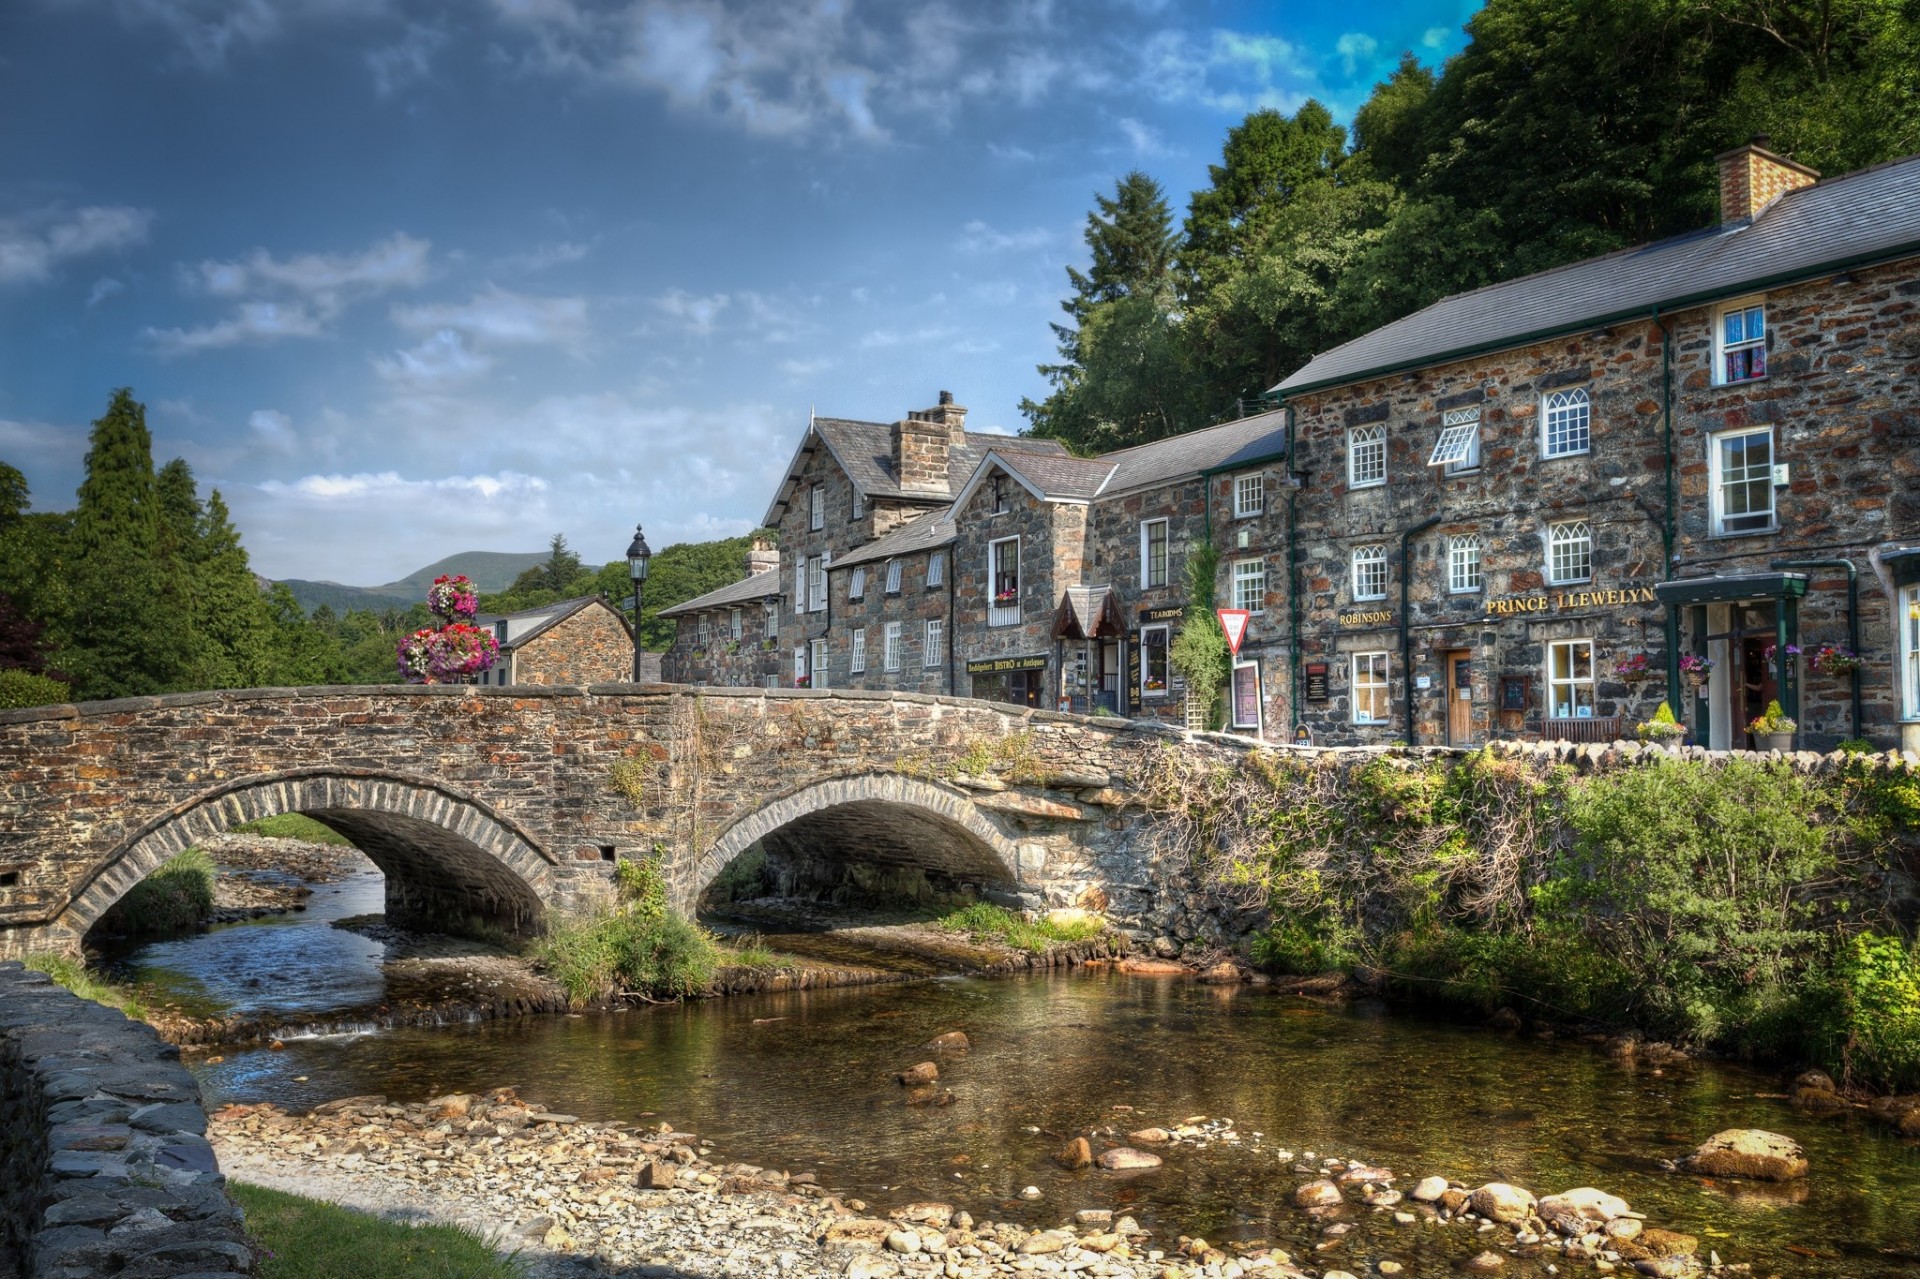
x=1088 y=612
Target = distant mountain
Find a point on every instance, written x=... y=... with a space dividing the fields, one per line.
x=490 y=570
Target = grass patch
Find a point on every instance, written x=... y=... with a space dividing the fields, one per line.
x=294 y=826
x=983 y=921
x=636 y=946
x=172 y=900
x=72 y=972
x=747 y=951
x=307 y=1239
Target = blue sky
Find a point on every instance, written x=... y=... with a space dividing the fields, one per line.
x=404 y=278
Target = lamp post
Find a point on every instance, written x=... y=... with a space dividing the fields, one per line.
x=638 y=558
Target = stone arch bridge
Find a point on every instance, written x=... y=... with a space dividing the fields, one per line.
x=487 y=806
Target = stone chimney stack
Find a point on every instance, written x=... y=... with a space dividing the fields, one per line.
x=924 y=440
x=762 y=557
x=1752 y=177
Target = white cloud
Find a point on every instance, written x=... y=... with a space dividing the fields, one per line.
x=251 y=324
x=994 y=292
x=696 y=314
x=978 y=237
x=545 y=257
x=41 y=447
x=1356 y=49
x=388 y=486
x=1144 y=139
x=406 y=61
x=501 y=317
x=1228 y=71
x=34 y=245
x=1435 y=37
x=806 y=368
x=882 y=339
x=442 y=359
x=273 y=430
x=103 y=288
x=208 y=31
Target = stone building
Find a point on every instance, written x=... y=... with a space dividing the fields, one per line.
x=730 y=637
x=577 y=641
x=1524 y=506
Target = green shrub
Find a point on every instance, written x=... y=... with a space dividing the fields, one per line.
x=174 y=899
x=20 y=689
x=72 y=972
x=1304 y=946
x=294 y=826
x=639 y=947
x=1877 y=1038
x=984 y=921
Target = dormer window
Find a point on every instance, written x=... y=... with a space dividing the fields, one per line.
x=999 y=495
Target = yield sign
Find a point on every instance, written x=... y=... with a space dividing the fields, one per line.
x=1234 y=622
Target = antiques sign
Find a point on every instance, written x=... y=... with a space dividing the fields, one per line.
x=1559 y=600
x=1002 y=665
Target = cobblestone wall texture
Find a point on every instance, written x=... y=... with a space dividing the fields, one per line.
x=104 y=1163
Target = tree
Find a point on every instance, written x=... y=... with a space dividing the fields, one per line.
x=1268 y=161
x=121 y=640
x=231 y=610
x=682 y=572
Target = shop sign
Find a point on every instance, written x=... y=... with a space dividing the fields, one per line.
x=1377 y=617
x=1561 y=600
x=1005 y=665
x=1316 y=681
x=1246 y=695
x=1172 y=614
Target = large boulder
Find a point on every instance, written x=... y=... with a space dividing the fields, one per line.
x=1498 y=1201
x=1127 y=1159
x=1575 y=1212
x=1749 y=1152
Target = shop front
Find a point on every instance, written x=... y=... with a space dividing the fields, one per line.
x=1736 y=638
x=1093 y=642
x=1019 y=681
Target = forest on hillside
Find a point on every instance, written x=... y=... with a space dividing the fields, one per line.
x=1563 y=130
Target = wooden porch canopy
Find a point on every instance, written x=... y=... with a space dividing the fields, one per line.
x=1088 y=612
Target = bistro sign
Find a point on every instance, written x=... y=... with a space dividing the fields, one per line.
x=1004 y=665
x=1561 y=600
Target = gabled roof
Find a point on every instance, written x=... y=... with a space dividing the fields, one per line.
x=1858 y=218
x=1088 y=612
x=921 y=533
x=1259 y=438
x=1049 y=477
x=864 y=451
x=754 y=586
x=543 y=619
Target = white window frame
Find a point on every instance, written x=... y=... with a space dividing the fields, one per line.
x=1725 y=349
x=1249 y=495
x=890 y=647
x=857 y=655
x=1463 y=564
x=936 y=569
x=1007 y=614
x=734 y=629
x=799 y=587
x=1569 y=553
x=1369 y=568
x=817 y=508
x=1568 y=415
x=817 y=662
x=1907 y=619
x=1370 y=675
x=857 y=583
x=1250 y=585
x=893 y=577
x=1373 y=439
x=1149 y=579
x=934 y=643
x=799 y=664
x=816 y=583
x=859 y=505
x=1458 y=445
x=1165 y=644
x=1581 y=690
x=1717 y=481
x=773 y=620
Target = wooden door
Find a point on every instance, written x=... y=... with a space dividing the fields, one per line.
x=1459 y=697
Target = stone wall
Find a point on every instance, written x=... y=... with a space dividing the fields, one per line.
x=593 y=646
x=913 y=606
x=104 y=1167
x=1052 y=550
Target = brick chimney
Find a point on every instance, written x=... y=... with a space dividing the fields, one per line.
x=1752 y=177
x=924 y=440
x=762 y=557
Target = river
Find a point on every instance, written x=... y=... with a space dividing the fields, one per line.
x=804 y=1082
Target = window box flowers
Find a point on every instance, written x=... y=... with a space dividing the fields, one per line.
x=1002 y=599
x=1831 y=659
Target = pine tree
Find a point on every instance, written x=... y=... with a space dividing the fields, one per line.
x=234 y=617
x=121 y=641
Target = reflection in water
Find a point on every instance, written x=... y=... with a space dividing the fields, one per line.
x=802 y=1082
x=279 y=964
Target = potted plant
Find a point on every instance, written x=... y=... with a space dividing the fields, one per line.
x=1634 y=668
x=1791 y=651
x=1773 y=729
x=1663 y=729
x=1831 y=659
x=1696 y=670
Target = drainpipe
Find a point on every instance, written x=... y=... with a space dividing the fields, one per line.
x=1406 y=633
x=953 y=621
x=1853 y=616
x=1669 y=534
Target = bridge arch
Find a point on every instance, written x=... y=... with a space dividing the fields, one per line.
x=893 y=820
x=447 y=856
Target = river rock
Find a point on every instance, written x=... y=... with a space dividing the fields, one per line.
x=952 y=1041
x=1484 y=1263
x=1430 y=1189
x=1075 y=1155
x=1659 y=1243
x=1126 y=1159
x=937 y=1215
x=1047 y=1241
x=654 y=1175
x=1622 y=1229
x=866 y=1231
x=903 y=1241
x=1668 y=1267
x=1150 y=1137
x=1574 y=1212
x=1749 y=1152
x=924 y=1073
x=1318 y=1194
x=1356 y=1174
x=866 y=1266
x=1224 y=973
x=1819 y=1079
x=1498 y=1201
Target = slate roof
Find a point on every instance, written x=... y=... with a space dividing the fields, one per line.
x=1873 y=214
x=1056 y=478
x=1250 y=439
x=921 y=533
x=550 y=615
x=1088 y=612
x=864 y=451
x=754 y=586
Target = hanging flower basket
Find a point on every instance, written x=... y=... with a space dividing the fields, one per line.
x=1831 y=659
x=1696 y=670
x=1634 y=668
x=453 y=597
x=1791 y=651
x=461 y=650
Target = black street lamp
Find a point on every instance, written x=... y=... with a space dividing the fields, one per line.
x=638 y=558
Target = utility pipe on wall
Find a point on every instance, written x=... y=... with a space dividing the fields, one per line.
x=1406 y=633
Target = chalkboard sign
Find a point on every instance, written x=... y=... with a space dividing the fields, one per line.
x=1516 y=693
x=1246 y=695
x=1316 y=681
